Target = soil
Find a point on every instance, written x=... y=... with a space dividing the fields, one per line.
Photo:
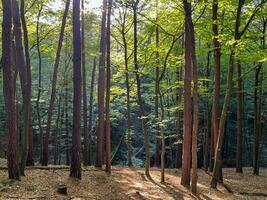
x=128 y=184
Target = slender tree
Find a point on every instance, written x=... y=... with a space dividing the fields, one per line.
x=54 y=85
x=85 y=125
x=108 y=85
x=30 y=161
x=22 y=68
x=101 y=89
x=75 y=168
x=9 y=92
x=217 y=63
x=187 y=127
x=90 y=129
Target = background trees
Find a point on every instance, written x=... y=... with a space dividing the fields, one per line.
x=154 y=79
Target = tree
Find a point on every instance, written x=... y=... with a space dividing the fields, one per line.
x=108 y=85
x=75 y=168
x=30 y=161
x=216 y=96
x=101 y=89
x=9 y=92
x=54 y=85
x=23 y=74
x=185 y=179
x=85 y=127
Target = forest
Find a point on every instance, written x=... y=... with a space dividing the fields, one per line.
x=133 y=99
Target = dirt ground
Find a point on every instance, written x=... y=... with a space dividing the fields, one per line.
x=126 y=183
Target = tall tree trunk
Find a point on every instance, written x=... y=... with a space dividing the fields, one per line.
x=256 y=122
x=54 y=85
x=91 y=101
x=101 y=89
x=108 y=85
x=39 y=80
x=217 y=65
x=157 y=91
x=139 y=95
x=22 y=68
x=207 y=118
x=30 y=161
x=239 y=122
x=187 y=127
x=75 y=168
x=196 y=108
x=9 y=93
x=85 y=127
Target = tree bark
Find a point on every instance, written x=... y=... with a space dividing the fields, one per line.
x=157 y=91
x=30 y=161
x=75 y=168
x=9 y=92
x=39 y=80
x=54 y=85
x=185 y=179
x=217 y=65
x=91 y=101
x=22 y=68
x=239 y=122
x=85 y=127
x=101 y=89
x=108 y=85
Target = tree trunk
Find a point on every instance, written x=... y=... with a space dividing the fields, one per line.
x=157 y=91
x=75 y=168
x=30 y=161
x=207 y=118
x=217 y=65
x=256 y=123
x=239 y=122
x=139 y=95
x=163 y=148
x=91 y=101
x=54 y=85
x=22 y=68
x=9 y=92
x=101 y=89
x=108 y=161
x=185 y=179
x=39 y=81
x=85 y=127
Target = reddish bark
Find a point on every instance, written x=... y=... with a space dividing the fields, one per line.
x=9 y=92
x=185 y=179
x=22 y=68
x=108 y=85
x=75 y=168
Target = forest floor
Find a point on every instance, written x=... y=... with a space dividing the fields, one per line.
x=129 y=184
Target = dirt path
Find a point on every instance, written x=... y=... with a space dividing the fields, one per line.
x=126 y=183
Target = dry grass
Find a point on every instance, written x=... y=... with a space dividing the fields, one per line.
x=126 y=183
